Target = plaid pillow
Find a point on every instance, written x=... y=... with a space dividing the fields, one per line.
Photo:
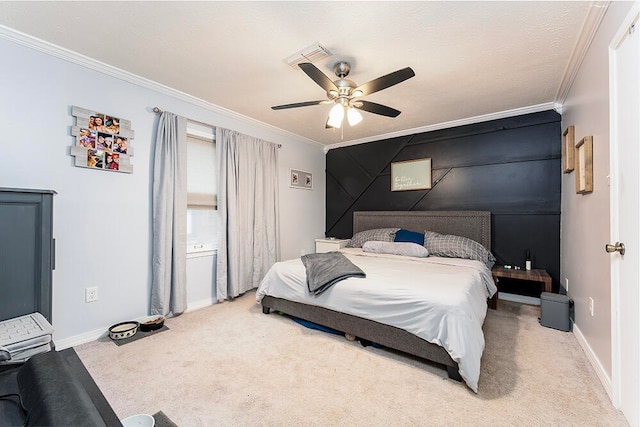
x=448 y=245
x=378 y=234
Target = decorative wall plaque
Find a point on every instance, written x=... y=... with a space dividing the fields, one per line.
x=411 y=175
x=568 y=149
x=102 y=141
x=584 y=165
x=301 y=179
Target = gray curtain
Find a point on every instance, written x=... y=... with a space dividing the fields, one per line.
x=248 y=206
x=169 y=258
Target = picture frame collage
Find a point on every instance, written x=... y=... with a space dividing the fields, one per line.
x=103 y=141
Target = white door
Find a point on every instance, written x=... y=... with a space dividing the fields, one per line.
x=625 y=218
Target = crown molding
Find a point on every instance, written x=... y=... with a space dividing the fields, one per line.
x=590 y=26
x=451 y=124
x=84 y=61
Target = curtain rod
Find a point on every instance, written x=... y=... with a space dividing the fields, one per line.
x=158 y=111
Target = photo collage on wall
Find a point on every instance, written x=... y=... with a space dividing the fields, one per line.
x=102 y=141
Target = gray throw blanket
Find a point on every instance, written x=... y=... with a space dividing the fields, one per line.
x=326 y=269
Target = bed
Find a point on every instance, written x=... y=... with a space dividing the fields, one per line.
x=450 y=335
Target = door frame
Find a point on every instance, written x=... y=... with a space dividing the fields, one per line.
x=614 y=146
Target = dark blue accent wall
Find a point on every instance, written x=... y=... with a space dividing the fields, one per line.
x=511 y=167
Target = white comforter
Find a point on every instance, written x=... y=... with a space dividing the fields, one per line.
x=441 y=300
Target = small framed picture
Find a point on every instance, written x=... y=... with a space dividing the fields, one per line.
x=584 y=165
x=568 y=150
x=411 y=175
x=301 y=179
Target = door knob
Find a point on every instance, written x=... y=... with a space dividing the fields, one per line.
x=618 y=247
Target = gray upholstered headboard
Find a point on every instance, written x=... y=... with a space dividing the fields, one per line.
x=475 y=225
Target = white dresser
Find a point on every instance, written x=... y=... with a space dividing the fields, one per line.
x=329 y=245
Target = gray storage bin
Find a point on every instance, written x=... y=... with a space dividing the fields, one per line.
x=555 y=311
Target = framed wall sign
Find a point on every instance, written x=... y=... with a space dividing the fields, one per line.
x=411 y=175
x=584 y=165
x=301 y=179
x=568 y=149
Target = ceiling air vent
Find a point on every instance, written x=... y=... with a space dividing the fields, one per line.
x=313 y=53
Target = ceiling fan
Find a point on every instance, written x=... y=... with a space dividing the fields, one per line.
x=345 y=94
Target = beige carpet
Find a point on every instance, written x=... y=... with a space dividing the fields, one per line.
x=231 y=365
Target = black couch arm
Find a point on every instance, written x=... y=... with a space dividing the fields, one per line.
x=57 y=390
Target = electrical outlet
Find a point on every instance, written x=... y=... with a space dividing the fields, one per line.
x=566 y=284
x=591 y=306
x=91 y=294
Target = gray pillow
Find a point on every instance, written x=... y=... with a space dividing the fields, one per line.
x=451 y=246
x=396 y=248
x=379 y=234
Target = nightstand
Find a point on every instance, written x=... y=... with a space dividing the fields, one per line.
x=534 y=275
x=330 y=245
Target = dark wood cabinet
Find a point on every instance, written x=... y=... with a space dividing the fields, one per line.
x=27 y=252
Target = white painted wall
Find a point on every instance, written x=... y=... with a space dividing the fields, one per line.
x=301 y=205
x=102 y=219
x=585 y=218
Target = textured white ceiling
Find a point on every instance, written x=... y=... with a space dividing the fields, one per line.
x=470 y=58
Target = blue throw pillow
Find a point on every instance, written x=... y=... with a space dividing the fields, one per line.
x=403 y=235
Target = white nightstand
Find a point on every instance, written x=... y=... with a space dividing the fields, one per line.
x=329 y=245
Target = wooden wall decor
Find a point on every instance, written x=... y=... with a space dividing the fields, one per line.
x=584 y=165
x=102 y=141
x=568 y=149
x=511 y=167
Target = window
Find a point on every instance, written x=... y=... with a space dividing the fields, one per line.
x=202 y=214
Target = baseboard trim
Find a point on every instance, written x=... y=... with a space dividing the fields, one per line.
x=595 y=363
x=103 y=332
x=197 y=305
x=81 y=338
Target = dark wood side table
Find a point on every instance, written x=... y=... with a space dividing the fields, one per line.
x=535 y=275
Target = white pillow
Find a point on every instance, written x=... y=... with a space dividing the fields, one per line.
x=396 y=248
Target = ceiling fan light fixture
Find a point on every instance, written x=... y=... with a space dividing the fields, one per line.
x=353 y=116
x=345 y=94
x=336 y=115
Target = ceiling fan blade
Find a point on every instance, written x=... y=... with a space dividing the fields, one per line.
x=298 y=104
x=385 y=81
x=374 y=108
x=318 y=76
